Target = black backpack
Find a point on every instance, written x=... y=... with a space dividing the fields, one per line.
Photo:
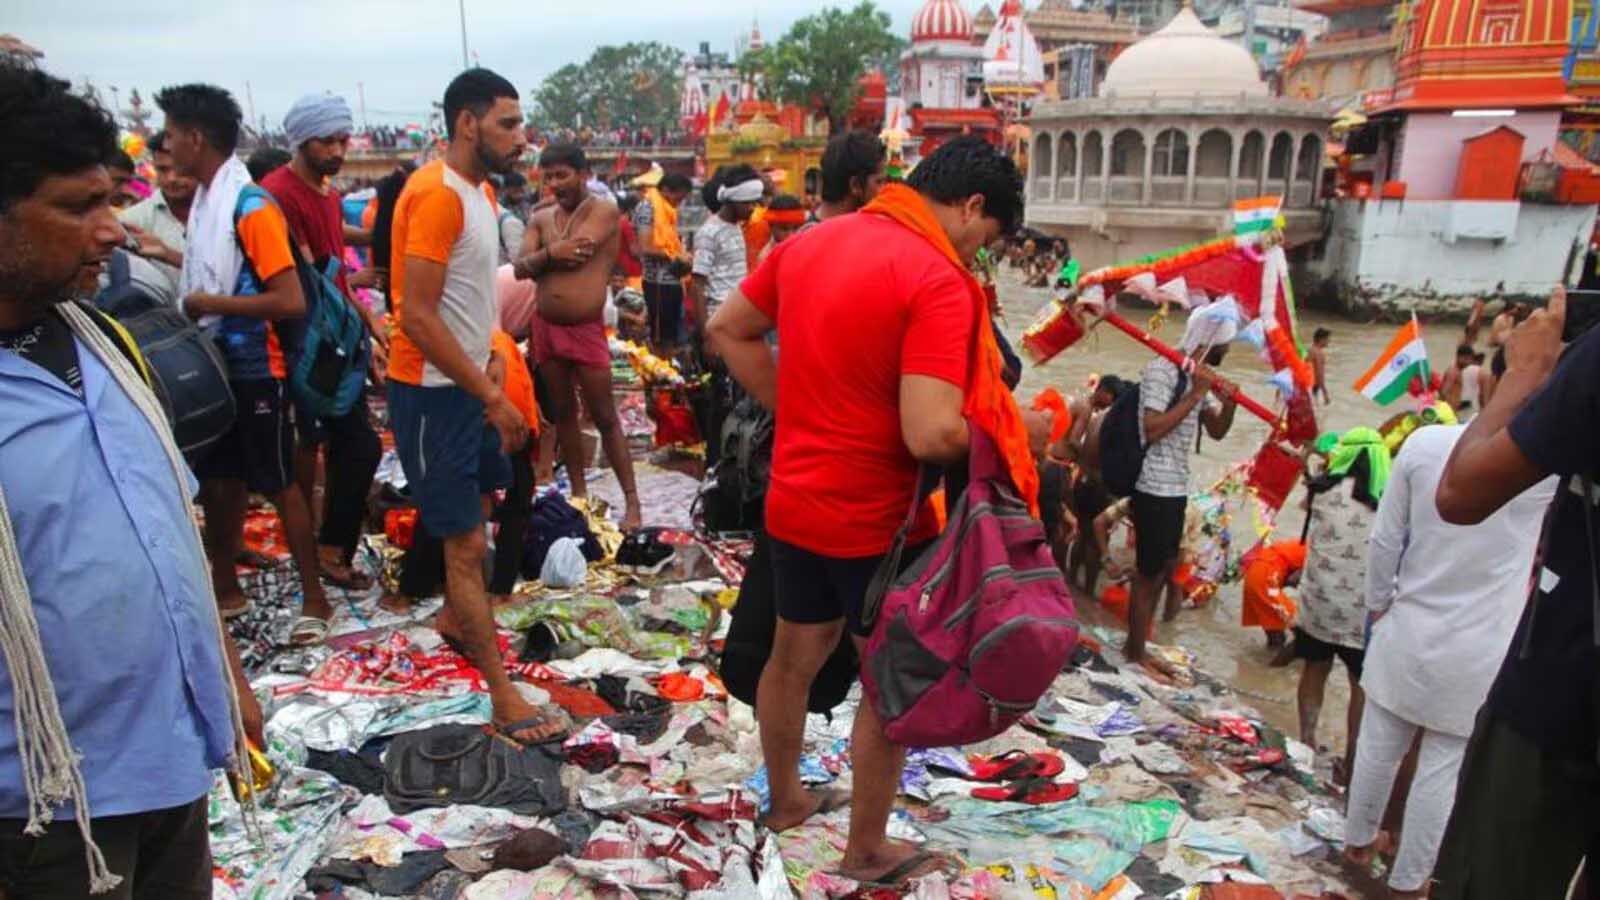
x=1121 y=450
x=463 y=764
x=188 y=374
x=734 y=496
x=749 y=641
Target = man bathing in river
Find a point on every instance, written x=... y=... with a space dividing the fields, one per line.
x=570 y=249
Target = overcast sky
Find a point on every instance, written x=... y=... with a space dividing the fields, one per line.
x=404 y=52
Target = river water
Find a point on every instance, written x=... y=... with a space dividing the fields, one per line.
x=1225 y=649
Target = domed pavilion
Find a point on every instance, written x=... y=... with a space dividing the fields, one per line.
x=1181 y=126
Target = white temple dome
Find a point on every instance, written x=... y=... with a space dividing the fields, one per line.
x=1184 y=58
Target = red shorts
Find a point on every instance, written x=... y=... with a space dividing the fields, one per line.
x=583 y=344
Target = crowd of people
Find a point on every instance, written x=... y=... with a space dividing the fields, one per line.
x=1451 y=568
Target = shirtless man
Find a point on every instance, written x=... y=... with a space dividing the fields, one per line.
x=569 y=251
x=1089 y=497
x=1319 y=364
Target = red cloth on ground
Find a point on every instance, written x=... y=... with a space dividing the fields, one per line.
x=860 y=301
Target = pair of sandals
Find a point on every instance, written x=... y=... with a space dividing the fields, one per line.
x=1027 y=778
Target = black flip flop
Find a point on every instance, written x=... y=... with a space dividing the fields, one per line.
x=554 y=714
x=905 y=871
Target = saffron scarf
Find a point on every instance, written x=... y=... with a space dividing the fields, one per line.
x=664 y=225
x=989 y=404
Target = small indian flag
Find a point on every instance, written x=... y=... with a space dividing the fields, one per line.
x=1256 y=214
x=1405 y=358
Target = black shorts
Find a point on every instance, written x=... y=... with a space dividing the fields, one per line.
x=664 y=305
x=259 y=448
x=1089 y=498
x=1158 y=531
x=811 y=589
x=1312 y=649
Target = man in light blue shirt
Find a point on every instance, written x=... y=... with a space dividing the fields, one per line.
x=115 y=575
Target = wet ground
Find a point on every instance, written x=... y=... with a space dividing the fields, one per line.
x=1225 y=649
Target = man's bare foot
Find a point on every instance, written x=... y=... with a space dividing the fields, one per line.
x=525 y=723
x=399 y=604
x=894 y=862
x=1360 y=856
x=317 y=606
x=818 y=804
x=1283 y=657
x=339 y=573
x=632 y=515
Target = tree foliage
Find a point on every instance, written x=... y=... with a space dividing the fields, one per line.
x=632 y=86
x=820 y=60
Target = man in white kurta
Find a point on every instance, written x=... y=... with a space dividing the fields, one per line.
x=1447 y=598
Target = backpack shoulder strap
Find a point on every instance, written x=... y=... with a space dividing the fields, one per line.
x=124 y=341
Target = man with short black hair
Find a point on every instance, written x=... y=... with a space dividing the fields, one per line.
x=570 y=249
x=665 y=262
x=860 y=409
x=852 y=173
x=157 y=222
x=453 y=421
x=239 y=278
x=319 y=126
x=1320 y=339
x=115 y=677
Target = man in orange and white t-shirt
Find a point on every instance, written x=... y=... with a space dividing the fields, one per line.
x=453 y=422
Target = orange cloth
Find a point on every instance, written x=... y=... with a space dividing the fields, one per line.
x=757 y=232
x=519 y=381
x=664 y=225
x=680 y=687
x=989 y=404
x=264 y=236
x=1050 y=400
x=1266 y=604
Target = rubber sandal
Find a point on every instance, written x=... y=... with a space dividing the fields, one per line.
x=1035 y=791
x=308 y=631
x=1016 y=764
x=828 y=801
x=552 y=714
x=914 y=866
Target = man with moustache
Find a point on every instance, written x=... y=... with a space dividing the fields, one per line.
x=453 y=421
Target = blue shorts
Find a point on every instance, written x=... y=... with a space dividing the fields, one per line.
x=450 y=454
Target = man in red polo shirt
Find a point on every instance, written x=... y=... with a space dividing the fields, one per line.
x=877 y=321
x=318 y=126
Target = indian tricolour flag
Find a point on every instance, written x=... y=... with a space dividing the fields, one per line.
x=1405 y=358
x=1256 y=214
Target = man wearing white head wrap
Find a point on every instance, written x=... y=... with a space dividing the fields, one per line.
x=720 y=261
x=1172 y=406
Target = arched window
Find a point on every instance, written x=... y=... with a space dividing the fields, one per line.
x=1093 y=155
x=1278 y=161
x=1310 y=159
x=1127 y=153
x=1067 y=156
x=1214 y=154
x=1044 y=158
x=1171 y=156
x=1250 y=154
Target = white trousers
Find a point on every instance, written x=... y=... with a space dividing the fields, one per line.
x=1385 y=738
